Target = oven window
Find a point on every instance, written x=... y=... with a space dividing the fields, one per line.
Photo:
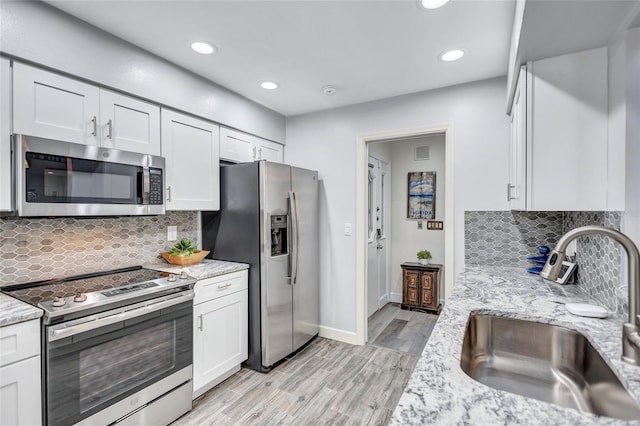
x=58 y=179
x=114 y=367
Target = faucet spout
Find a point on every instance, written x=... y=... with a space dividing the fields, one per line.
x=631 y=330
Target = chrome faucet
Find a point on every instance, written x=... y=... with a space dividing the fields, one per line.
x=631 y=329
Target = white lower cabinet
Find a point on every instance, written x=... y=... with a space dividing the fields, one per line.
x=20 y=391
x=220 y=329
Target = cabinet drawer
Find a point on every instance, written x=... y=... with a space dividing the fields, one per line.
x=19 y=341
x=212 y=288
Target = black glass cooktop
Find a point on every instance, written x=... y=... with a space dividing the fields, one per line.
x=122 y=281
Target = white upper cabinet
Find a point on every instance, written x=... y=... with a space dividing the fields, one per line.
x=240 y=147
x=191 y=148
x=270 y=151
x=52 y=106
x=563 y=151
x=129 y=124
x=5 y=135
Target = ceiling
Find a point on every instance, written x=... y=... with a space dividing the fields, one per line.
x=367 y=49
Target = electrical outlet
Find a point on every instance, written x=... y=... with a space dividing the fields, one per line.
x=172 y=233
x=419 y=224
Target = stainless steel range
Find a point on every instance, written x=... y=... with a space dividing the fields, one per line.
x=117 y=346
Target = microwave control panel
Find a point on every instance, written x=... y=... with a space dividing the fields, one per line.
x=155 y=186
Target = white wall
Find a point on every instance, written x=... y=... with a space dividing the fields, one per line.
x=632 y=187
x=326 y=141
x=616 y=56
x=36 y=32
x=406 y=239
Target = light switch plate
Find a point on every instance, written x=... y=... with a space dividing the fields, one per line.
x=347 y=229
x=172 y=233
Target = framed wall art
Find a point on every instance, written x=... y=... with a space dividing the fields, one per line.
x=421 y=195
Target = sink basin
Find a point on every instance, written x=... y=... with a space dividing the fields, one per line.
x=547 y=362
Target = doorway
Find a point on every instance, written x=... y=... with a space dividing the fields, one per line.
x=367 y=236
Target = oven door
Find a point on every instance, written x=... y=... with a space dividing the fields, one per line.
x=94 y=364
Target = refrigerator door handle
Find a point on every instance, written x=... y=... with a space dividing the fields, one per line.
x=293 y=211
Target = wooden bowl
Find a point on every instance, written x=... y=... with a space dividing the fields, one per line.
x=185 y=260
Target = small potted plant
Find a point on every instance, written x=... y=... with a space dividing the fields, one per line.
x=424 y=256
x=184 y=253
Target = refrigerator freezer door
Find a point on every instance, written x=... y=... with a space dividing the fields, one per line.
x=306 y=292
x=276 y=290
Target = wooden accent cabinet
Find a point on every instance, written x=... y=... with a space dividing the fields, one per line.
x=421 y=287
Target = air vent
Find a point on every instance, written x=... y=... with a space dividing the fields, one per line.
x=422 y=152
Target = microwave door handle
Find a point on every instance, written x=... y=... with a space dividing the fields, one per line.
x=146 y=185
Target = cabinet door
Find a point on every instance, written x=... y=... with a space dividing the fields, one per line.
x=220 y=337
x=410 y=296
x=190 y=147
x=427 y=290
x=270 y=151
x=129 y=124
x=516 y=190
x=20 y=393
x=236 y=146
x=52 y=106
x=5 y=135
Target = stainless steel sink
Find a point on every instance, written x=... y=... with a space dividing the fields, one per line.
x=547 y=362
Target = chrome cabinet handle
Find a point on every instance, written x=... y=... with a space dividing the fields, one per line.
x=200 y=326
x=260 y=154
x=94 y=124
x=110 y=126
x=509 y=192
x=254 y=153
x=225 y=285
x=168 y=193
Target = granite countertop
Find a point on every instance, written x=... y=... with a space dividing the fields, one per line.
x=206 y=269
x=440 y=393
x=13 y=311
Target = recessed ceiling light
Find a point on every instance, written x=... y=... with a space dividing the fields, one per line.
x=269 y=85
x=451 y=55
x=203 y=47
x=432 y=4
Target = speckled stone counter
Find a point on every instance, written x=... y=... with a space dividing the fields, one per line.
x=205 y=269
x=440 y=393
x=13 y=311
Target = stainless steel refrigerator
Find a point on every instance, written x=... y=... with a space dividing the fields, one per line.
x=268 y=218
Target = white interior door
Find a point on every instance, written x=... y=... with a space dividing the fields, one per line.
x=384 y=191
x=372 y=240
x=378 y=234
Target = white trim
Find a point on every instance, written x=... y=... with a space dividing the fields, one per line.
x=361 y=214
x=396 y=297
x=339 y=335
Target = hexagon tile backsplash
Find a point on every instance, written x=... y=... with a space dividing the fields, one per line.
x=507 y=237
x=41 y=249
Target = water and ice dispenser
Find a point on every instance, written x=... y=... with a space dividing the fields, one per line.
x=279 y=239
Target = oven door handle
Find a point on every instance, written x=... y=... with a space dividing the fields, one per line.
x=61 y=331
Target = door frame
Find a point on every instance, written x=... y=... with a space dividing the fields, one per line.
x=361 y=213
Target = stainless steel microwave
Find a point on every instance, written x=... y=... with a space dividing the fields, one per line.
x=55 y=178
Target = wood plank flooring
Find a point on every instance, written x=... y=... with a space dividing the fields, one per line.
x=329 y=382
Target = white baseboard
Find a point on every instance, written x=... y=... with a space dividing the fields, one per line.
x=396 y=297
x=339 y=335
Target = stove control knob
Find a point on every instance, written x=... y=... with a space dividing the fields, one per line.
x=183 y=275
x=171 y=278
x=58 y=301
x=80 y=297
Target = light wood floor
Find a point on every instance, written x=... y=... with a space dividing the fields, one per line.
x=329 y=382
